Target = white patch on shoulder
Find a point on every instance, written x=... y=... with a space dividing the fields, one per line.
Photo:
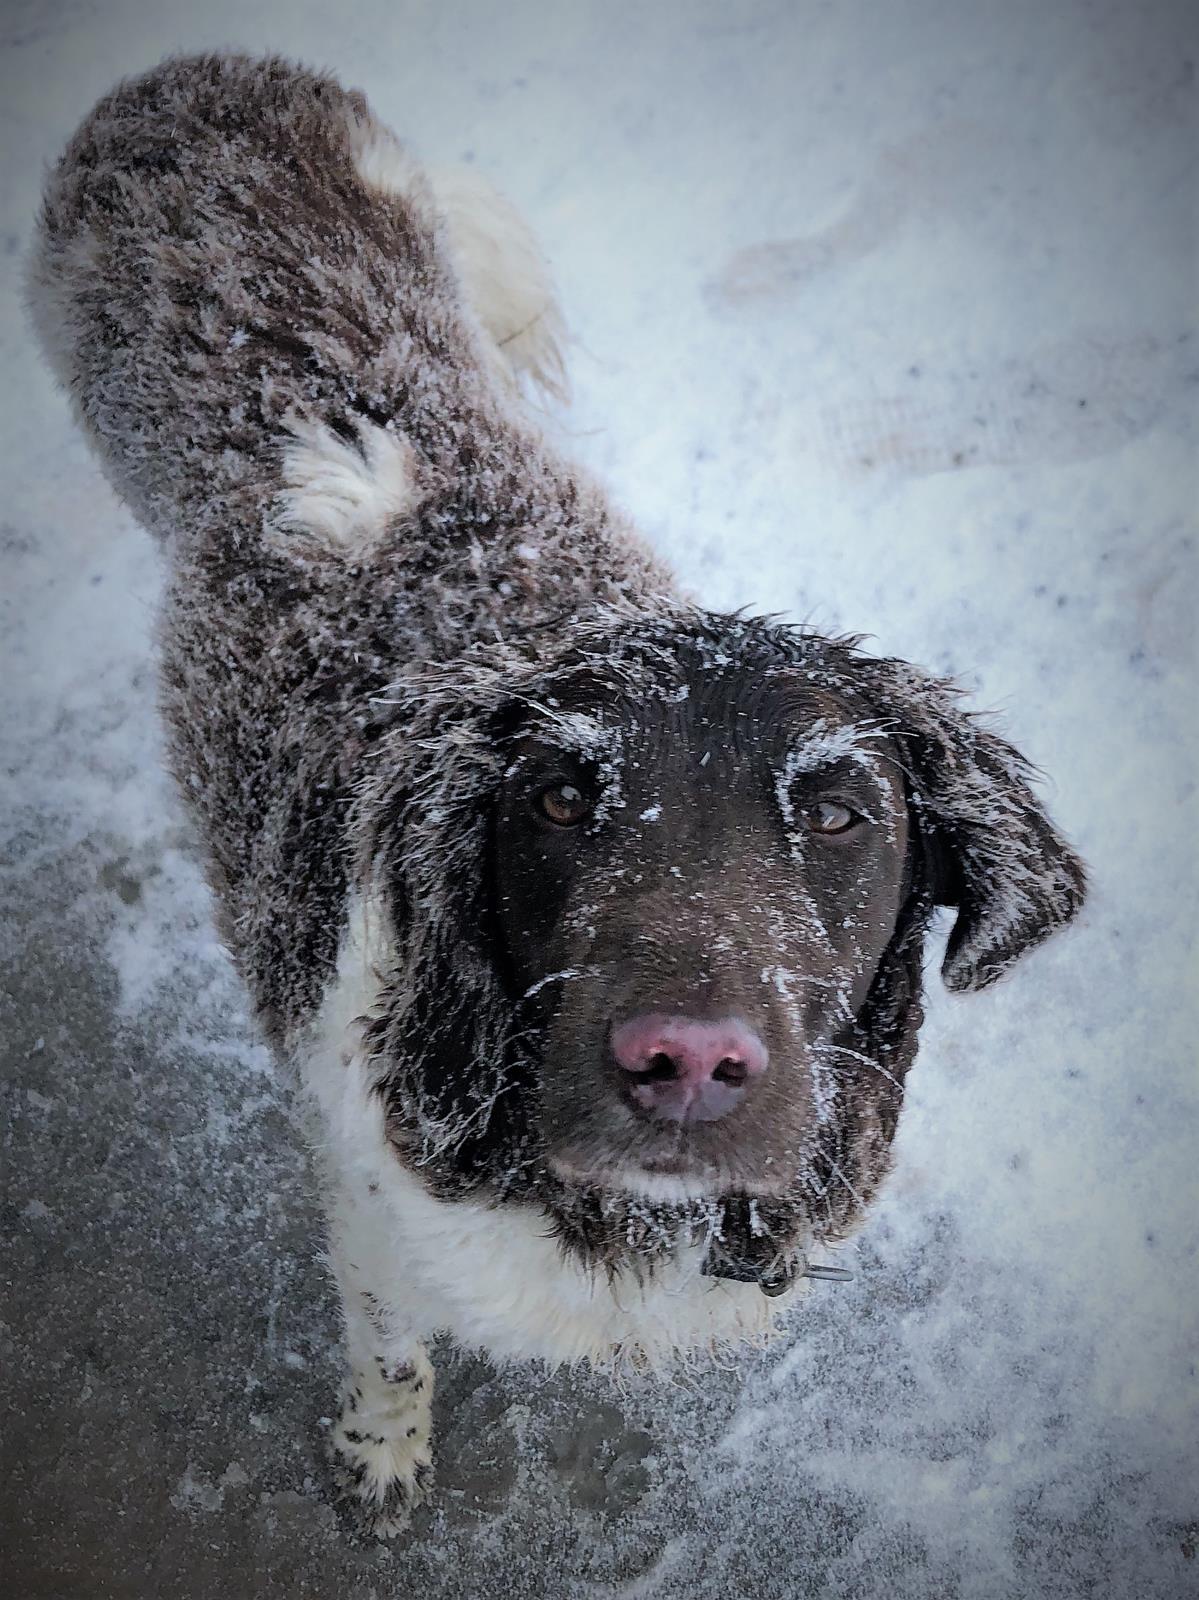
x=341 y=495
x=493 y=1277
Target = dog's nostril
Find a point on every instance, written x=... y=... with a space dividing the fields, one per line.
x=731 y=1071
x=660 y=1068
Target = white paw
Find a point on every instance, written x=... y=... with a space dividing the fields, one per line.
x=382 y=1457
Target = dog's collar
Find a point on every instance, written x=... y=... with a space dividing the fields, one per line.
x=774 y=1277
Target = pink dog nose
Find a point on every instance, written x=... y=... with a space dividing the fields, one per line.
x=684 y=1070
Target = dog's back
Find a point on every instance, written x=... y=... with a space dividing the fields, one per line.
x=259 y=305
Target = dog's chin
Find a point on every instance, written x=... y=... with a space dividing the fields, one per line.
x=622 y=1217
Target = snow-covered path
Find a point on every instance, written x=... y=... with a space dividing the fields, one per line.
x=884 y=317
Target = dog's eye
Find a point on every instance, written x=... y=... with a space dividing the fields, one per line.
x=830 y=816
x=564 y=804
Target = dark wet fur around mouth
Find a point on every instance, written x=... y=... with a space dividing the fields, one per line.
x=210 y=274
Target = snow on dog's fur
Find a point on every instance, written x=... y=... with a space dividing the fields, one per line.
x=388 y=604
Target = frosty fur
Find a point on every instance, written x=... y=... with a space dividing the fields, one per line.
x=299 y=360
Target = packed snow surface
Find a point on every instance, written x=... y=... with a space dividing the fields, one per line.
x=882 y=318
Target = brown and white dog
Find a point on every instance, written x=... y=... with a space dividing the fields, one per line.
x=591 y=921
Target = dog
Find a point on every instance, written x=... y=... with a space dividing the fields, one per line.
x=590 y=923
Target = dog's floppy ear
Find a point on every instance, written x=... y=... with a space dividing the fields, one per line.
x=450 y=1067
x=988 y=846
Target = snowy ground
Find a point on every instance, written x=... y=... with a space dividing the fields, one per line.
x=883 y=318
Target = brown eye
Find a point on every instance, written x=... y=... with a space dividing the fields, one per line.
x=829 y=816
x=564 y=805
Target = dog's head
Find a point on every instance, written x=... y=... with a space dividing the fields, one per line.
x=659 y=904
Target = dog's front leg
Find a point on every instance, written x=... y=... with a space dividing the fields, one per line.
x=381 y=1442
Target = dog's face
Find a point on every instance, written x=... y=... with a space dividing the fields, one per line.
x=659 y=903
x=701 y=885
